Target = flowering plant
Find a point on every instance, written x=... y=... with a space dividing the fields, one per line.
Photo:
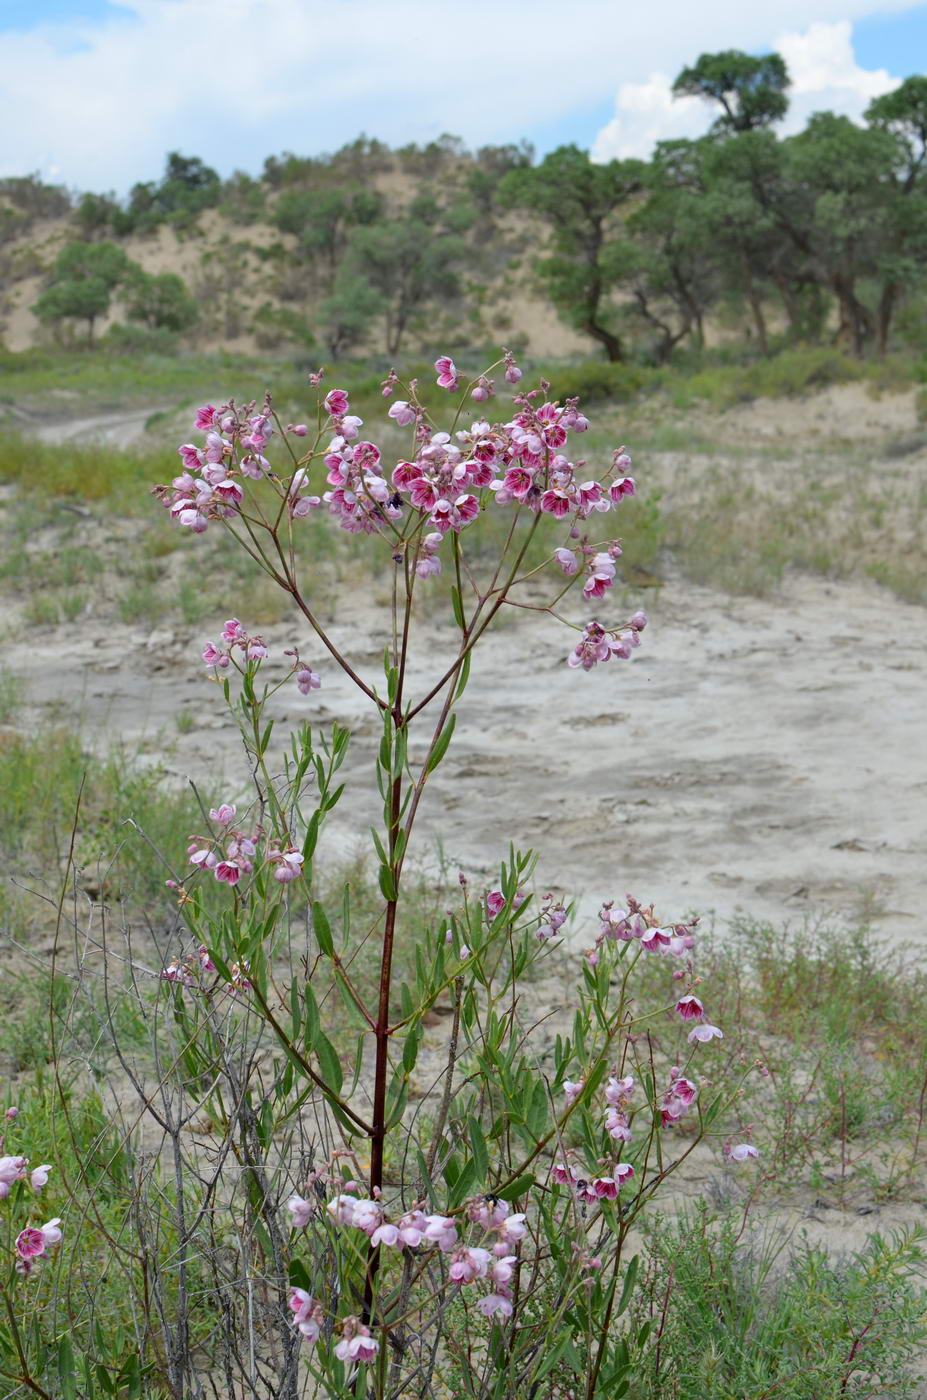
x=424 y=1219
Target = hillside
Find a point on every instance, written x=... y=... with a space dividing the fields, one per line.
x=257 y=288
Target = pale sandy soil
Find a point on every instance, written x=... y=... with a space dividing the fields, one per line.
x=758 y=756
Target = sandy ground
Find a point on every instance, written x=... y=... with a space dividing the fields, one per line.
x=759 y=757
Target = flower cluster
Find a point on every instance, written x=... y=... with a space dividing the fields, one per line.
x=441 y=488
x=586 y=1185
x=190 y=971
x=235 y=637
x=639 y=924
x=596 y=644
x=492 y=1260
x=233 y=854
x=33 y=1241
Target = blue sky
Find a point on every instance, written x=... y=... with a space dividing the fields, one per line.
x=102 y=90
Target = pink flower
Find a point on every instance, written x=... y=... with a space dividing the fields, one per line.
x=12 y=1169
x=341 y=1209
x=38 y=1177
x=741 y=1152
x=307 y=679
x=301 y=1210
x=567 y=560
x=468 y=1263
x=623 y=1172
x=513 y=1228
x=205 y=416
x=624 y=486
x=412 y=1229
x=307 y=1314
x=228 y=871
x=690 y=1008
x=213 y=656
x=401 y=413
x=289 y=866
x=705 y=1033
x=571 y=1089
x=442 y=1231
x=367 y=1216
x=33 y=1242
x=223 y=814
x=503 y=1270
x=555 y=502
x=336 y=402
x=356 y=1343
x=618 y=1091
x=11 y=1113
x=447 y=373
x=387 y=1235
x=495 y=1303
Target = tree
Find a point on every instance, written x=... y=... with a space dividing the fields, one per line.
x=159 y=301
x=902 y=114
x=94 y=215
x=408 y=262
x=347 y=315
x=83 y=281
x=322 y=219
x=581 y=202
x=751 y=91
x=671 y=265
x=840 y=182
x=187 y=187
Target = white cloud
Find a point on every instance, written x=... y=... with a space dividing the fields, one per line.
x=825 y=74
x=825 y=77
x=234 y=80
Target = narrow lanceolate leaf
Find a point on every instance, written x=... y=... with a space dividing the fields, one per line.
x=387 y=883
x=458 y=606
x=464 y=676
x=441 y=743
x=329 y=1063
x=516 y=1188
x=322 y=929
x=628 y=1287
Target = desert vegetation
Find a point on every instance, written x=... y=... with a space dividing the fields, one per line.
x=461 y=906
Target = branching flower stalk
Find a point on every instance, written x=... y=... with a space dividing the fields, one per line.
x=423 y=1210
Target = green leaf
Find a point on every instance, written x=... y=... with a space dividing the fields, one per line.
x=440 y=745
x=516 y=1188
x=464 y=676
x=537 y=1109
x=322 y=929
x=329 y=1063
x=265 y=737
x=298 y=1276
x=410 y=1049
x=311 y=1023
x=312 y=836
x=457 y=604
x=628 y=1286
x=67 y=1374
x=478 y=1148
x=387 y=883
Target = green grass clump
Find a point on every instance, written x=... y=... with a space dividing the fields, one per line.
x=83 y=472
x=789 y=373
x=734 y=1314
